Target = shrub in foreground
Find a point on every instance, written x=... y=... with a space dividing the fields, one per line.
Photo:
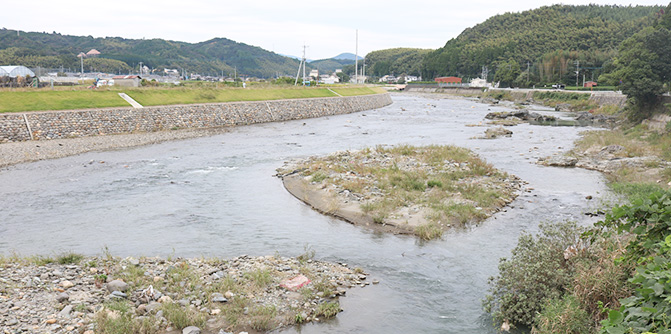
x=536 y=272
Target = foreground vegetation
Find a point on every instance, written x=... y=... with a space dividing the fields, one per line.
x=610 y=279
x=44 y=99
x=108 y=294
x=613 y=277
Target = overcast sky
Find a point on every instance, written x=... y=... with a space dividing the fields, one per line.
x=328 y=28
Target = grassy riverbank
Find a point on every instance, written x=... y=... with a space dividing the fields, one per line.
x=45 y=99
x=643 y=158
x=567 y=100
x=612 y=277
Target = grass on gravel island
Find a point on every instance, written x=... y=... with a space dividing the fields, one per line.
x=449 y=186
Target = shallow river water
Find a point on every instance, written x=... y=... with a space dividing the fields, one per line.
x=216 y=196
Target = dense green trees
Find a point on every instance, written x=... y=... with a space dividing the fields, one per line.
x=400 y=60
x=643 y=67
x=507 y=73
x=552 y=39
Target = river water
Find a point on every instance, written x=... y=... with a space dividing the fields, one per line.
x=216 y=196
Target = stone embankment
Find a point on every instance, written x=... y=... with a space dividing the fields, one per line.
x=599 y=98
x=165 y=295
x=94 y=122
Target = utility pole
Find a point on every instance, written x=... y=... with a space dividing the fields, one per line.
x=364 y=70
x=577 y=72
x=140 y=68
x=528 y=73
x=356 y=59
x=302 y=63
x=81 y=58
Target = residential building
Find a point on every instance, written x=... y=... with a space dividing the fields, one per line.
x=127 y=80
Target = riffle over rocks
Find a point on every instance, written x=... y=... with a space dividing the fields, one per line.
x=92 y=122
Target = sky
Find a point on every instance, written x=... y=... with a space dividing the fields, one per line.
x=327 y=28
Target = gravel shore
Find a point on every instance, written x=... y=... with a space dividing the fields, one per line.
x=28 y=151
x=157 y=295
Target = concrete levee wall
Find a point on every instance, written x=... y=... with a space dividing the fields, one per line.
x=78 y=123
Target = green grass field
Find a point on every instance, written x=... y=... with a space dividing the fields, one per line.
x=45 y=99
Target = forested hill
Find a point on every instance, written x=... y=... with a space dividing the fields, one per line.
x=397 y=61
x=547 y=38
x=53 y=50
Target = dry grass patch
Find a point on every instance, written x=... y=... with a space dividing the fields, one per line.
x=630 y=143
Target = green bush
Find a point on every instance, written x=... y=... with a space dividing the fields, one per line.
x=649 y=309
x=536 y=272
x=648 y=218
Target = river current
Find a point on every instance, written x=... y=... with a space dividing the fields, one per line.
x=217 y=196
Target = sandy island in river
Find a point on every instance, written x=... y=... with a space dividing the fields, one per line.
x=404 y=189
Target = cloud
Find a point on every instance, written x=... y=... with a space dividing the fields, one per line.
x=280 y=26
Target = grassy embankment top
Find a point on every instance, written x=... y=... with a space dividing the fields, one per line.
x=78 y=98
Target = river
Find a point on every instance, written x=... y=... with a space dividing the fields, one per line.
x=217 y=196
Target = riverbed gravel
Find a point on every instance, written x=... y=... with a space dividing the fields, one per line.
x=28 y=151
x=41 y=297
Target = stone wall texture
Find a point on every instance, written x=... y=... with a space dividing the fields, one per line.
x=92 y=122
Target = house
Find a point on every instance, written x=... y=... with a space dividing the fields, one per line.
x=127 y=80
x=314 y=74
x=450 y=81
x=389 y=79
x=171 y=72
x=358 y=80
x=411 y=78
x=590 y=84
x=328 y=79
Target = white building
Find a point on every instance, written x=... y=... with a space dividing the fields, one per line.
x=479 y=83
x=389 y=79
x=329 y=79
